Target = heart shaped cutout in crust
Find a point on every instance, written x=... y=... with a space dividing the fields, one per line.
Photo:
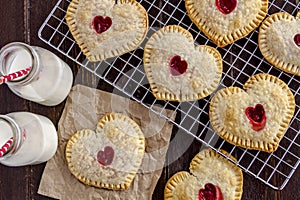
x=272 y=106
x=279 y=41
x=225 y=21
x=178 y=70
x=108 y=157
x=101 y=24
x=104 y=29
x=211 y=175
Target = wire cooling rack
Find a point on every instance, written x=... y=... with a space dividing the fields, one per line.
x=240 y=60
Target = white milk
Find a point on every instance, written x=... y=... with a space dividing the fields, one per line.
x=50 y=79
x=5 y=136
x=38 y=139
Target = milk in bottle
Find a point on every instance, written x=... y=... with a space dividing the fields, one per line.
x=34 y=138
x=49 y=80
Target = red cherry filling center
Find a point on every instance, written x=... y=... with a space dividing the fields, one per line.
x=226 y=6
x=297 y=40
x=106 y=157
x=210 y=192
x=257 y=117
x=101 y=24
x=177 y=66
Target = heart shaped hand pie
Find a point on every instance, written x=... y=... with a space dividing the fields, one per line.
x=212 y=178
x=279 y=41
x=256 y=117
x=225 y=21
x=111 y=156
x=176 y=69
x=104 y=29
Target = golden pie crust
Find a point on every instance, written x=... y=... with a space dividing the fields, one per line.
x=128 y=30
x=276 y=41
x=228 y=118
x=204 y=66
x=225 y=29
x=120 y=133
x=206 y=167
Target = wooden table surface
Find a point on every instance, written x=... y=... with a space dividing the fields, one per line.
x=20 y=21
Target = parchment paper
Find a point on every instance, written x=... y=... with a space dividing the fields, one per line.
x=84 y=107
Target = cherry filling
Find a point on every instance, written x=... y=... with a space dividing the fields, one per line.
x=297 y=40
x=210 y=192
x=226 y=6
x=106 y=157
x=101 y=24
x=177 y=66
x=257 y=117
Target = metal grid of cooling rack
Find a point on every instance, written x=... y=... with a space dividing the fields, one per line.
x=241 y=60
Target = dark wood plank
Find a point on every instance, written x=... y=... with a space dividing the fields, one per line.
x=37 y=14
x=14 y=182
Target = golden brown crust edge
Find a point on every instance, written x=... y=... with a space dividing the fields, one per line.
x=170 y=96
x=122 y=186
x=243 y=143
x=209 y=153
x=291 y=107
x=111 y=116
x=219 y=63
x=81 y=178
x=214 y=120
x=262 y=43
x=146 y=60
x=204 y=154
x=172 y=183
x=70 y=20
x=227 y=39
x=284 y=86
x=76 y=34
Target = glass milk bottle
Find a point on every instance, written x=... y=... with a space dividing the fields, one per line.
x=49 y=80
x=26 y=139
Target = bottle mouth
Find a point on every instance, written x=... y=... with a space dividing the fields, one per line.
x=18 y=56
x=16 y=136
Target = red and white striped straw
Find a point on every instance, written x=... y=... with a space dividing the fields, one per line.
x=6 y=146
x=14 y=75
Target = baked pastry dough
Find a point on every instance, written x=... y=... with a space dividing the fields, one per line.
x=256 y=117
x=176 y=69
x=225 y=21
x=210 y=175
x=279 y=41
x=104 y=29
x=111 y=156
